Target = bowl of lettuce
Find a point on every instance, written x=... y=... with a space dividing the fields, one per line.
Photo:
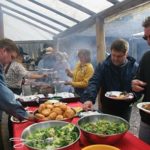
x=103 y=128
x=51 y=135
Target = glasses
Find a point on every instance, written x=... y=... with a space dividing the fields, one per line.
x=146 y=37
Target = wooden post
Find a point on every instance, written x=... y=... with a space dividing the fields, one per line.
x=1 y=24
x=100 y=39
x=101 y=47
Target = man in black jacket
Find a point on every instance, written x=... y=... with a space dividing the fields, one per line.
x=114 y=74
x=142 y=84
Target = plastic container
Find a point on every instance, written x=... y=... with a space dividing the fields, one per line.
x=100 y=147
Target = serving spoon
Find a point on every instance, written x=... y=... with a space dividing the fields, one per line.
x=20 y=145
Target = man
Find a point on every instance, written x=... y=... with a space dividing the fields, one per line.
x=8 y=52
x=114 y=74
x=142 y=84
x=8 y=103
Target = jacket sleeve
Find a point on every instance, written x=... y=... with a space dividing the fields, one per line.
x=91 y=91
x=21 y=70
x=9 y=104
x=84 y=83
x=137 y=95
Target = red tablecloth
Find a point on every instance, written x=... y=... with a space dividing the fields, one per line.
x=128 y=142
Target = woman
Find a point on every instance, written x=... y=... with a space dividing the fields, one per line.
x=82 y=72
x=15 y=72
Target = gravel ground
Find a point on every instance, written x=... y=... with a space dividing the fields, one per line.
x=135 y=120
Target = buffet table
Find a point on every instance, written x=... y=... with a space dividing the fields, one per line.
x=128 y=142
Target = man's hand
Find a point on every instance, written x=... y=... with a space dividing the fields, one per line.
x=87 y=105
x=67 y=83
x=68 y=72
x=44 y=75
x=31 y=116
x=138 y=85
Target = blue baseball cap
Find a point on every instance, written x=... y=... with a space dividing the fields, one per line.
x=21 y=52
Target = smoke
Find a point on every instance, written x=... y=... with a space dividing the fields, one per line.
x=72 y=44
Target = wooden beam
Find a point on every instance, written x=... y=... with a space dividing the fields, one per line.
x=120 y=7
x=79 y=7
x=19 y=18
x=37 y=13
x=1 y=24
x=78 y=28
x=55 y=11
x=113 y=1
x=116 y=9
x=33 y=18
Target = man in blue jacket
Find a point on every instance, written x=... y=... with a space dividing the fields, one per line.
x=8 y=103
x=114 y=74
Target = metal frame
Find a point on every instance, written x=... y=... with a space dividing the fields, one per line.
x=79 y=7
x=80 y=26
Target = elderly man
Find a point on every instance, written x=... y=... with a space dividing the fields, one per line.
x=114 y=74
x=8 y=103
x=142 y=84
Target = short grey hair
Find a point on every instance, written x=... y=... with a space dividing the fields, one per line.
x=86 y=53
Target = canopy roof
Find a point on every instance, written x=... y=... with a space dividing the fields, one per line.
x=44 y=19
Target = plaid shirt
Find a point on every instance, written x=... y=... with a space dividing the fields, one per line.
x=15 y=74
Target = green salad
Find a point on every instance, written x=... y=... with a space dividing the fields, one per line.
x=104 y=127
x=61 y=136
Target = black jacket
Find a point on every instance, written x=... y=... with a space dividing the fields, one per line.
x=109 y=77
x=143 y=74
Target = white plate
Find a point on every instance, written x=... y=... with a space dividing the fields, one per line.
x=13 y=119
x=139 y=105
x=28 y=98
x=88 y=113
x=52 y=101
x=62 y=94
x=116 y=95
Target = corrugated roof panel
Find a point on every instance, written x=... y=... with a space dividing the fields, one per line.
x=50 y=16
x=27 y=19
x=66 y=9
x=95 y=6
x=21 y=31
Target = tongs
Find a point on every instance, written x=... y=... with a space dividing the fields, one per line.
x=83 y=113
x=20 y=145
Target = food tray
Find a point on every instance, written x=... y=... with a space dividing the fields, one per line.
x=37 y=101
